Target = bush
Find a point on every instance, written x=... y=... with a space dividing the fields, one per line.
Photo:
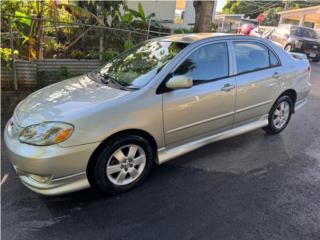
x=6 y=58
x=77 y=54
x=108 y=54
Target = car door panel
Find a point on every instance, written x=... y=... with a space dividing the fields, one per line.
x=255 y=94
x=208 y=106
x=202 y=109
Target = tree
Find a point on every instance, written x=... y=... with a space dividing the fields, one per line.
x=272 y=18
x=252 y=9
x=203 y=18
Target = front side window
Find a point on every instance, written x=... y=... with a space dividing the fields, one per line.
x=253 y=56
x=207 y=63
x=139 y=65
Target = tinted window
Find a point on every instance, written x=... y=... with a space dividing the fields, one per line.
x=206 y=63
x=251 y=56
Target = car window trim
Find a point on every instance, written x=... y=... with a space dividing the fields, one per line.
x=260 y=69
x=162 y=89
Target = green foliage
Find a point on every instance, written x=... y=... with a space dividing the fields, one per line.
x=127 y=44
x=92 y=54
x=253 y=8
x=108 y=54
x=249 y=8
x=272 y=18
x=77 y=54
x=6 y=58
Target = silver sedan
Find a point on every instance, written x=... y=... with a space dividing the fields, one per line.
x=152 y=103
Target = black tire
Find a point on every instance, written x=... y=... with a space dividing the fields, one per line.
x=96 y=170
x=315 y=60
x=271 y=128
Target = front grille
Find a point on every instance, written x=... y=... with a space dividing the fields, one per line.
x=311 y=46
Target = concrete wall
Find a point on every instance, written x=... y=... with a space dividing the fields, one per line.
x=164 y=10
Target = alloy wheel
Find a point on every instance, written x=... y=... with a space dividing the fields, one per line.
x=281 y=115
x=126 y=164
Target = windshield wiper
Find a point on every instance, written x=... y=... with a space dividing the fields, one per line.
x=120 y=84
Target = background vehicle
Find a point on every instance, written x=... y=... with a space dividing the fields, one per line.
x=156 y=101
x=298 y=39
x=261 y=31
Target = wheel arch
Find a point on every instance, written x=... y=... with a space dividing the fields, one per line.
x=137 y=132
x=292 y=94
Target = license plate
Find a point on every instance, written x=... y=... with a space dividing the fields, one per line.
x=312 y=54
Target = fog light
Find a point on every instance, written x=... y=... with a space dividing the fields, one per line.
x=40 y=179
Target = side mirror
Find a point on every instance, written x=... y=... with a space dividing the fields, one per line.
x=179 y=82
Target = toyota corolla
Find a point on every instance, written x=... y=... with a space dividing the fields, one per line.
x=152 y=103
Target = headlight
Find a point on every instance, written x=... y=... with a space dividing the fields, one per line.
x=298 y=44
x=46 y=133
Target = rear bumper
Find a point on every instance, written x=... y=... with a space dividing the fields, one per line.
x=50 y=170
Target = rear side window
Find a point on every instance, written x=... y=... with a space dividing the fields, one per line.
x=207 y=63
x=274 y=61
x=253 y=57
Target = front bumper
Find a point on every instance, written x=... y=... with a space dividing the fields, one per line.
x=50 y=170
x=311 y=54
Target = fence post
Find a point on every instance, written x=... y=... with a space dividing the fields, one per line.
x=129 y=40
x=14 y=71
x=148 y=28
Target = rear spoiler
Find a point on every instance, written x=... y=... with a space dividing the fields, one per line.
x=299 y=56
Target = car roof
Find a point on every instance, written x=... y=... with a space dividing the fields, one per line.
x=194 y=37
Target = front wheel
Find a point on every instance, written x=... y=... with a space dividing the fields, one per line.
x=121 y=165
x=279 y=115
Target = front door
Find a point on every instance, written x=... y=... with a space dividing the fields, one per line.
x=208 y=106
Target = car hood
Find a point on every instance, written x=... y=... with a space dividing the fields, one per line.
x=64 y=100
x=306 y=39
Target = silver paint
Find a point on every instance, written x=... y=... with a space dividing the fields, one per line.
x=180 y=120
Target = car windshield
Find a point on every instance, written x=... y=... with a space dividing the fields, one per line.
x=139 y=65
x=304 y=32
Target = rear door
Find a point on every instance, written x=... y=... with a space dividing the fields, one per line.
x=258 y=79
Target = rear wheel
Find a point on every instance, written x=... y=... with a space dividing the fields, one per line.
x=123 y=164
x=279 y=115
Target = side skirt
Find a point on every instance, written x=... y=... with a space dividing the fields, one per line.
x=166 y=154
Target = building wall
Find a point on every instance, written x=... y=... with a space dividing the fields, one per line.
x=164 y=10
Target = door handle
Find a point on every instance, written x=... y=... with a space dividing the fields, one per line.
x=227 y=87
x=276 y=75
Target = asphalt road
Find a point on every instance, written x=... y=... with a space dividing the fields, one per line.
x=252 y=186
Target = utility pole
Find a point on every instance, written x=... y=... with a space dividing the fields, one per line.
x=286 y=5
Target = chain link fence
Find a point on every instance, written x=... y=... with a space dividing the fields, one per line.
x=70 y=47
